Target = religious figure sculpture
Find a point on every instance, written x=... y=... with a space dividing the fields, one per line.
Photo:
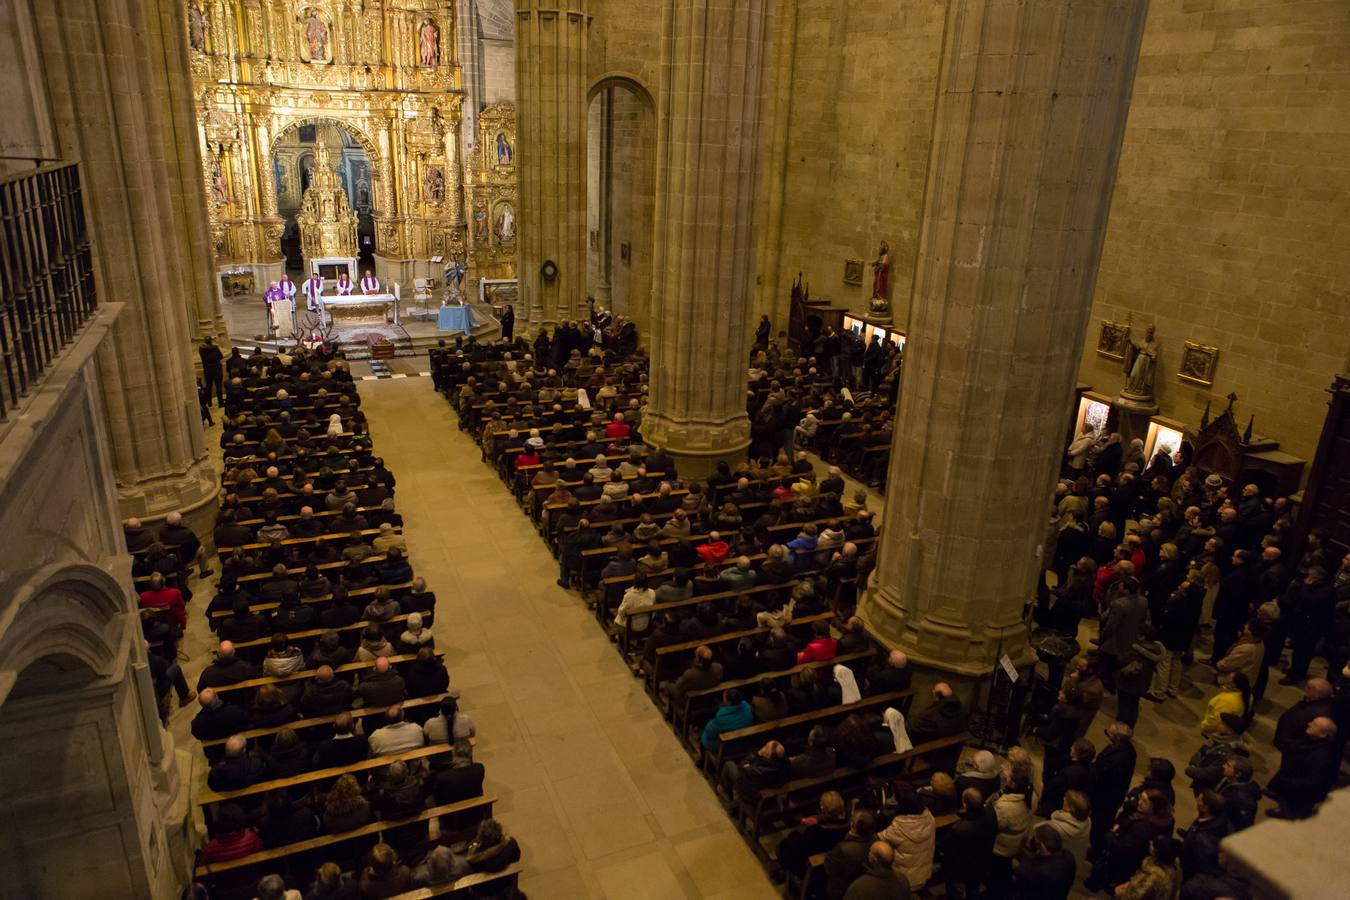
x=218 y=189
x=1141 y=362
x=480 y=224
x=435 y=184
x=316 y=35
x=504 y=151
x=880 y=305
x=198 y=26
x=454 y=278
x=431 y=43
x=881 y=272
x=506 y=224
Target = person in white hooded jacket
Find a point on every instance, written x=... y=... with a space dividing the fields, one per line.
x=912 y=834
x=1074 y=824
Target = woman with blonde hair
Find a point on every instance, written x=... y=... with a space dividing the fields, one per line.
x=345 y=808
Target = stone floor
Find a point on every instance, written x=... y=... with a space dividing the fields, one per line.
x=605 y=802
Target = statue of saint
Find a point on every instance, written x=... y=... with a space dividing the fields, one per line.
x=431 y=43
x=1141 y=361
x=316 y=35
x=881 y=273
x=198 y=26
x=218 y=189
x=506 y=224
x=504 y=151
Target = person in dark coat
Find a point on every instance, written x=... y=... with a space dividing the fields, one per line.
x=213 y=370
x=1307 y=771
x=1075 y=775
x=1307 y=613
x=944 y=717
x=1200 y=842
x=848 y=858
x=967 y=845
x=1049 y=871
x=509 y=323
x=238 y=770
x=1111 y=773
x=1232 y=607
x=879 y=881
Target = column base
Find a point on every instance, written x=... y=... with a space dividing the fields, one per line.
x=698 y=447
x=949 y=647
x=190 y=493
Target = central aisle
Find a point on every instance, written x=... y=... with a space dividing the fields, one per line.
x=592 y=782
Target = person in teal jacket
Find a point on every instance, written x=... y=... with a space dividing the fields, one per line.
x=734 y=713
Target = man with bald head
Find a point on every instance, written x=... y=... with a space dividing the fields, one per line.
x=217 y=719
x=226 y=668
x=943 y=717
x=854 y=639
x=397 y=736
x=382 y=686
x=1308 y=770
x=880 y=880
x=238 y=770
x=137 y=537
x=1292 y=725
x=325 y=695
x=893 y=676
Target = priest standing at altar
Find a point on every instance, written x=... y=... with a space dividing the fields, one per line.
x=369 y=283
x=287 y=287
x=344 y=285
x=313 y=290
x=272 y=297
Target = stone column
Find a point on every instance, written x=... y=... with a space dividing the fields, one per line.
x=130 y=127
x=703 y=259
x=1031 y=108
x=551 y=42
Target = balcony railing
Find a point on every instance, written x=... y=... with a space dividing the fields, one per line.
x=46 y=275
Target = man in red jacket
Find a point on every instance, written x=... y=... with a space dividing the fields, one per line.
x=821 y=647
x=167 y=599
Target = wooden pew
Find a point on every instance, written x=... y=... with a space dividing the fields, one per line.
x=743 y=740
x=667 y=660
x=306 y=674
x=268 y=606
x=777 y=805
x=416 y=704
x=435 y=753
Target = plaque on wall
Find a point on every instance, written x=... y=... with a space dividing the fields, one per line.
x=1197 y=364
x=1113 y=339
x=853 y=271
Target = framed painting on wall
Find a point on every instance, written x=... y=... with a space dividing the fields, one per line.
x=1197 y=364
x=1112 y=340
x=853 y=271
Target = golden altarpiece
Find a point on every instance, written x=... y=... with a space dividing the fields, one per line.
x=383 y=71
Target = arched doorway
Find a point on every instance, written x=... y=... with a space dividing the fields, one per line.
x=293 y=160
x=620 y=196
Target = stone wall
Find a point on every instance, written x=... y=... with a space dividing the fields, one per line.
x=860 y=117
x=90 y=789
x=1229 y=222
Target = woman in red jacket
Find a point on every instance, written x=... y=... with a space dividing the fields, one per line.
x=234 y=839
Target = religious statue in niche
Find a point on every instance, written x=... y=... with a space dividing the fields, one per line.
x=430 y=44
x=316 y=35
x=1141 y=363
x=218 y=188
x=504 y=150
x=435 y=184
x=480 y=224
x=198 y=27
x=880 y=305
x=505 y=224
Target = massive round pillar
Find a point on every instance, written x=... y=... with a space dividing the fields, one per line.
x=1031 y=108
x=708 y=125
x=551 y=42
x=129 y=125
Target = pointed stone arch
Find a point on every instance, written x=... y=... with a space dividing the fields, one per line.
x=350 y=126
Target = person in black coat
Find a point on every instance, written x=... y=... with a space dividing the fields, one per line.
x=967 y=845
x=1307 y=612
x=1200 y=842
x=1111 y=773
x=1048 y=873
x=213 y=369
x=238 y=770
x=1232 y=607
x=343 y=748
x=1075 y=775
x=509 y=323
x=1307 y=771
x=217 y=719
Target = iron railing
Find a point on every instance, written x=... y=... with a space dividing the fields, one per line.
x=46 y=275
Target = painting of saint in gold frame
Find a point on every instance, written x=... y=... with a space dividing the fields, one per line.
x=1112 y=340
x=1198 y=363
